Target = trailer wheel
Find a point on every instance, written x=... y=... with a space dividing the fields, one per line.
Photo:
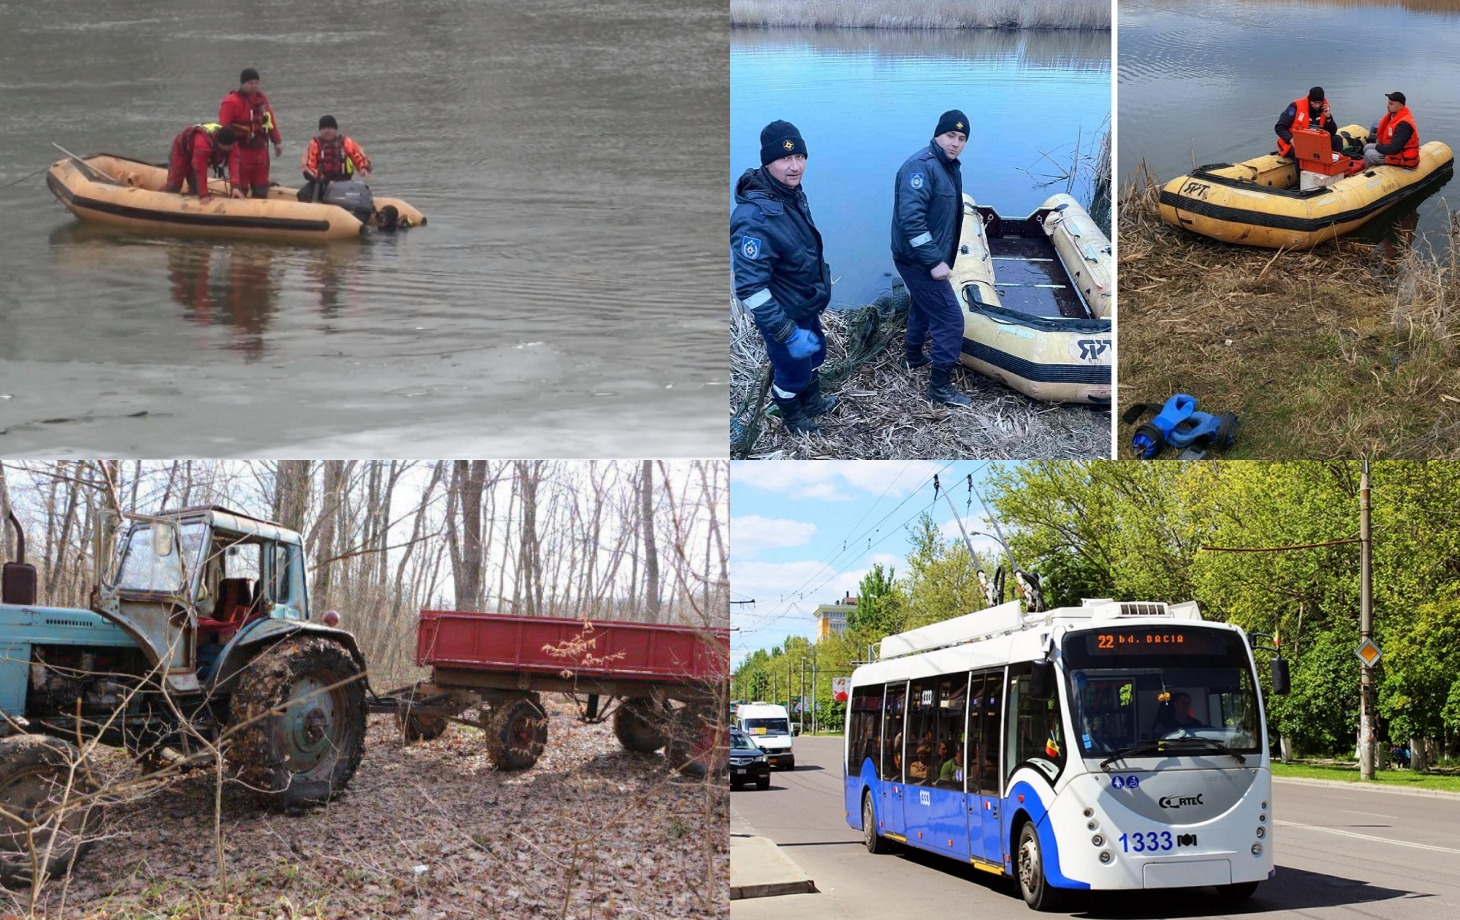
x=34 y=773
x=637 y=726
x=415 y=724
x=516 y=732
x=298 y=721
x=697 y=743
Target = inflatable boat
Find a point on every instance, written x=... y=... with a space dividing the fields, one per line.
x=128 y=193
x=1036 y=298
x=1262 y=201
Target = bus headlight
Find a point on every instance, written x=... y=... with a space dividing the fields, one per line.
x=1105 y=857
x=1261 y=833
x=1098 y=840
x=1257 y=849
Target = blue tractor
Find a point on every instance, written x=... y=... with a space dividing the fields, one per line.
x=199 y=645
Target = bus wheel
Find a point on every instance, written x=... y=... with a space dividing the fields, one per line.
x=874 y=841
x=1238 y=892
x=1030 y=868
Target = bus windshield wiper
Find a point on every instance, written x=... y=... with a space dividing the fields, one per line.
x=1145 y=747
x=1213 y=745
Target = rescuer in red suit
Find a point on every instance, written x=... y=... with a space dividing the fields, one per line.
x=197 y=148
x=247 y=111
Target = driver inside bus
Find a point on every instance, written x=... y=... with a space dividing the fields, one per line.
x=1176 y=714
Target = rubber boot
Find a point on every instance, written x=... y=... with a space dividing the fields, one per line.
x=812 y=402
x=940 y=387
x=914 y=358
x=794 y=417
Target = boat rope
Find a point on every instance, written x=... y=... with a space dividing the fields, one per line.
x=26 y=176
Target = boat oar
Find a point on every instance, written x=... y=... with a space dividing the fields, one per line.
x=95 y=174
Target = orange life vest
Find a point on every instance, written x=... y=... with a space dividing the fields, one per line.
x=1300 y=121
x=1409 y=156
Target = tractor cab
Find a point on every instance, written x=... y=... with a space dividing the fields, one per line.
x=189 y=582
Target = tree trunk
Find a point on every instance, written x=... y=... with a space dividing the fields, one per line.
x=651 y=552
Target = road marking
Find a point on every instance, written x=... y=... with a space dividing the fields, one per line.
x=1402 y=843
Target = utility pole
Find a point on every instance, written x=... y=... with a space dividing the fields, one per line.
x=813 y=690
x=1366 y=629
x=803 y=694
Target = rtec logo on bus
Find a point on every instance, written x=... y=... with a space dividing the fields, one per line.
x=1176 y=801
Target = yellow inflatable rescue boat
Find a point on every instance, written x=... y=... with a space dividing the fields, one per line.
x=1036 y=297
x=128 y=193
x=1267 y=201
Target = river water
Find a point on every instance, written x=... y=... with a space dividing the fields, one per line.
x=566 y=298
x=865 y=99
x=1204 y=81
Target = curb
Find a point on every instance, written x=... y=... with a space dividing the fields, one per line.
x=1368 y=787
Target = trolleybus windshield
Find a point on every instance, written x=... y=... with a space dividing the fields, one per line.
x=1167 y=690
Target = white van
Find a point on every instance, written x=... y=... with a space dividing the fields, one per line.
x=770 y=727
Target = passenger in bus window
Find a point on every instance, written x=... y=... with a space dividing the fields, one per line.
x=952 y=772
x=917 y=771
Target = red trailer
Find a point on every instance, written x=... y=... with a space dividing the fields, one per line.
x=663 y=685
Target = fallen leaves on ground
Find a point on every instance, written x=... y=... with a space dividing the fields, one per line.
x=431 y=830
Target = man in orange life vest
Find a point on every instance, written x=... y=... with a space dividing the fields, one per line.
x=1309 y=112
x=331 y=157
x=1396 y=139
x=197 y=148
x=247 y=111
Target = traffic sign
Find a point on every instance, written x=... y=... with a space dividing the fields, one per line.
x=1369 y=653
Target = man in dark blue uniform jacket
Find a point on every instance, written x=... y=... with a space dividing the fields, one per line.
x=927 y=217
x=780 y=275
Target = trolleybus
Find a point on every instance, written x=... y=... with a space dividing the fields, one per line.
x=1106 y=746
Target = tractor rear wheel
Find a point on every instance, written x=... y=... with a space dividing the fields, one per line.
x=516 y=732
x=638 y=725
x=45 y=796
x=298 y=720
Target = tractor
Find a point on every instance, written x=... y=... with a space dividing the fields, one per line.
x=200 y=644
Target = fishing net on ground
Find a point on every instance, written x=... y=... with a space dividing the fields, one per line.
x=865 y=333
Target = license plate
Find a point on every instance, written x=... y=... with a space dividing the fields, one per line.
x=739 y=771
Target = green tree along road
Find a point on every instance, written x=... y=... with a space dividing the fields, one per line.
x=1154 y=531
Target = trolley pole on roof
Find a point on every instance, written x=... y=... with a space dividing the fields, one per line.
x=1366 y=628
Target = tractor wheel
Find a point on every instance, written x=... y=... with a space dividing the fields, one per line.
x=43 y=825
x=516 y=732
x=415 y=724
x=298 y=721
x=697 y=743
x=637 y=725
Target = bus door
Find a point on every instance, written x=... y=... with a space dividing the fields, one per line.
x=889 y=809
x=984 y=802
x=933 y=796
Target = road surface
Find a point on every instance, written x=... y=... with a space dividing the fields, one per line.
x=1343 y=853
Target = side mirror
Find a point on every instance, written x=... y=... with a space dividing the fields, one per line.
x=1041 y=681
x=1281 y=682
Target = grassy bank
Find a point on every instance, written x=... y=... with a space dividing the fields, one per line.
x=1345 y=350
x=882 y=413
x=935 y=14
x=1445 y=782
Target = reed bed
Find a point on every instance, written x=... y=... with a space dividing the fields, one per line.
x=935 y=14
x=1345 y=350
x=883 y=415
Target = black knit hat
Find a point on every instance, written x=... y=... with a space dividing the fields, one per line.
x=328 y=121
x=780 y=139
x=1315 y=94
x=248 y=74
x=952 y=120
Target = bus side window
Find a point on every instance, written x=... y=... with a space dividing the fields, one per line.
x=892 y=727
x=866 y=735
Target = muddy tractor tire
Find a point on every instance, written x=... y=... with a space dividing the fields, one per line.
x=50 y=799
x=698 y=743
x=297 y=726
x=639 y=726
x=417 y=725
x=516 y=731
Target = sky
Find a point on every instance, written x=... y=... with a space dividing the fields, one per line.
x=803 y=534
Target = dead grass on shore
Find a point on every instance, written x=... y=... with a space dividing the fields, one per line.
x=1341 y=351
x=935 y=14
x=882 y=413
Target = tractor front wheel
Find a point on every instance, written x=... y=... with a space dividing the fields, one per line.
x=45 y=806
